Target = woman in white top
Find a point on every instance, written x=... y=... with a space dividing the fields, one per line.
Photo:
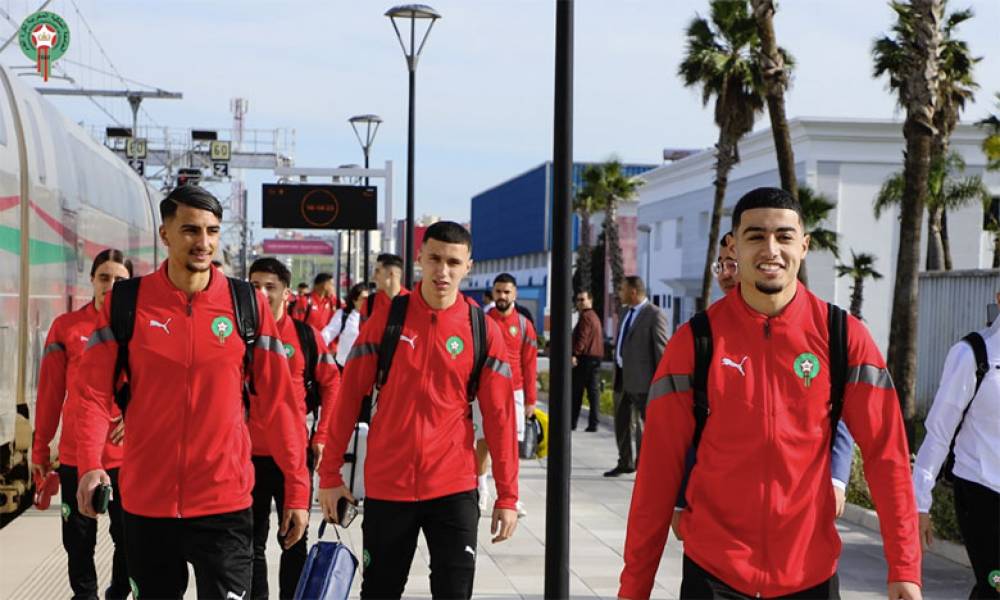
x=345 y=324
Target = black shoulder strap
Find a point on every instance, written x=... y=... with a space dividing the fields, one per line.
x=307 y=341
x=124 y=297
x=477 y=318
x=701 y=331
x=371 y=304
x=522 y=321
x=390 y=338
x=343 y=320
x=837 y=340
x=982 y=367
x=245 y=310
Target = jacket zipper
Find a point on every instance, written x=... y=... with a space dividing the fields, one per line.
x=769 y=434
x=187 y=405
x=428 y=350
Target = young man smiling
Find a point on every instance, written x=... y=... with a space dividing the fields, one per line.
x=420 y=470
x=186 y=476
x=760 y=518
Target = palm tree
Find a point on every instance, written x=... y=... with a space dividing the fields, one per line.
x=862 y=267
x=815 y=207
x=991 y=143
x=585 y=203
x=917 y=91
x=993 y=226
x=775 y=66
x=719 y=60
x=945 y=191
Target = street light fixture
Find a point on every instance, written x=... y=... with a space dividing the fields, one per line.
x=411 y=13
x=367 y=122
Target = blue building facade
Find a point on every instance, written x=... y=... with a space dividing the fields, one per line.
x=512 y=232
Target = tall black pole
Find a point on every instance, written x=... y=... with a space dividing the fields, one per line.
x=408 y=239
x=366 y=233
x=350 y=269
x=560 y=459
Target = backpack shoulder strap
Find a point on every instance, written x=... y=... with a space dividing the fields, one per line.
x=982 y=367
x=522 y=321
x=477 y=319
x=307 y=341
x=370 y=305
x=390 y=337
x=701 y=331
x=836 y=321
x=124 y=298
x=244 y=297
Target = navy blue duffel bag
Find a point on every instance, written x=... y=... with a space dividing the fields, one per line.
x=328 y=572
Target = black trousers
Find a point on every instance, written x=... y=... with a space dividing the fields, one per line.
x=219 y=547
x=585 y=378
x=269 y=484
x=390 y=532
x=79 y=537
x=698 y=584
x=978 y=510
x=630 y=416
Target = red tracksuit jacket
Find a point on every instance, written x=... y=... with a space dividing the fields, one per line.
x=58 y=392
x=381 y=302
x=420 y=444
x=522 y=352
x=315 y=310
x=327 y=379
x=187 y=445
x=760 y=510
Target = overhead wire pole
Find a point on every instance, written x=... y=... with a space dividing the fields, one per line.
x=560 y=458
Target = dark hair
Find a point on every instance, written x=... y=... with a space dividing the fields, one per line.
x=321 y=279
x=505 y=278
x=113 y=255
x=390 y=260
x=302 y=284
x=584 y=291
x=353 y=294
x=273 y=266
x=725 y=239
x=448 y=232
x=189 y=195
x=488 y=295
x=635 y=282
x=765 y=197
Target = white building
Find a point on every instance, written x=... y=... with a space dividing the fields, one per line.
x=847 y=161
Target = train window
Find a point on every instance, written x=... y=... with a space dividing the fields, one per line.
x=36 y=138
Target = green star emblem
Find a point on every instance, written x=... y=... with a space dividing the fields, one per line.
x=66 y=511
x=222 y=328
x=807 y=367
x=289 y=350
x=454 y=345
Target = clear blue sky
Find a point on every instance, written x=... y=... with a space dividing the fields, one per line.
x=484 y=89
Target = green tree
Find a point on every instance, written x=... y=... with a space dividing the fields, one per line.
x=918 y=32
x=585 y=203
x=946 y=190
x=775 y=67
x=862 y=267
x=991 y=143
x=719 y=59
x=815 y=208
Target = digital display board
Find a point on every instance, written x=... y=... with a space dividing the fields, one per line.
x=314 y=206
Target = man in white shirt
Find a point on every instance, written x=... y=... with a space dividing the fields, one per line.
x=970 y=419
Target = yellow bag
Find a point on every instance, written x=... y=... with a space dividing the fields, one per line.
x=543 y=440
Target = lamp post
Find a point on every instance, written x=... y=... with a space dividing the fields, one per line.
x=366 y=121
x=411 y=51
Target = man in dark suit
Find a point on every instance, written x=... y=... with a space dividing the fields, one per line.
x=642 y=335
x=588 y=349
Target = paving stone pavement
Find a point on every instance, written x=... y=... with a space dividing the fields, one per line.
x=33 y=563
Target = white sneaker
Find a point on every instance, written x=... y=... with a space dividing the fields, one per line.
x=521 y=511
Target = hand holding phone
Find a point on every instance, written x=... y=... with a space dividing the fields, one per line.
x=101 y=498
x=346 y=512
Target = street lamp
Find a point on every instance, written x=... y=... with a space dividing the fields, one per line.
x=412 y=13
x=366 y=121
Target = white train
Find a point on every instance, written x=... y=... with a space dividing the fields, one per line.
x=63 y=198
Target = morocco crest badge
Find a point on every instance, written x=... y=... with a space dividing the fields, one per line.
x=44 y=38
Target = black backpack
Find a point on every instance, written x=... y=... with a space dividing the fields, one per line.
x=124 y=297
x=307 y=341
x=394 y=329
x=982 y=367
x=702 y=333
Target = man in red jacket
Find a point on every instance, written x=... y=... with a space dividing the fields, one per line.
x=522 y=353
x=760 y=516
x=588 y=350
x=317 y=307
x=273 y=278
x=186 y=475
x=388 y=279
x=420 y=470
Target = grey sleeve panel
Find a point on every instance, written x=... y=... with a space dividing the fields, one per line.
x=360 y=350
x=669 y=384
x=499 y=366
x=871 y=375
x=54 y=347
x=268 y=343
x=100 y=336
